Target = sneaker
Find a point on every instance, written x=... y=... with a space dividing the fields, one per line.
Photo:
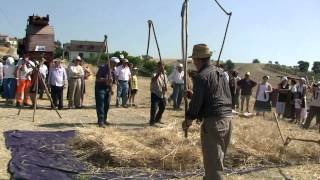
x=125 y=106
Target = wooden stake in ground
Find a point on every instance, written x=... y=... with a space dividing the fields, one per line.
x=277 y=121
x=35 y=98
x=46 y=91
x=184 y=48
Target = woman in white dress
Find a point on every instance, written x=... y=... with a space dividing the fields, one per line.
x=263 y=103
x=301 y=101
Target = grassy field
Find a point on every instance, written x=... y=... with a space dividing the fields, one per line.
x=255 y=141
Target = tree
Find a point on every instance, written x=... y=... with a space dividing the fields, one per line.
x=117 y=54
x=256 y=61
x=316 y=67
x=58 y=51
x=229 y=65
x=303 y=66
x=277 y=63
x=270 y=62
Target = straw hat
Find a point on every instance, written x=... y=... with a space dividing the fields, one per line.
x=57 y=60
x=115 y=60
x=78 y=58
x=247 y=73
x=201 y=51
x=180 y=65
x=266 y=76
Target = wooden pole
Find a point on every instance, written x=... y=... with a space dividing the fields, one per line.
x=184 y=46
x=36 y=95
x=278 y=126
x=49 y=97
x=104 y=42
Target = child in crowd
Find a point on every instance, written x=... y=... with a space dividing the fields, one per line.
x=134 y=86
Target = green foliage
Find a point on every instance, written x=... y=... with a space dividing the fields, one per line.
x=316 y=67
x=229 y=65
x=146 y=67
x=303 y=66
x=58 y=52
x=276 y=63
x=270 y=62
x=291 y=71
x=118 y=53
x=256 y=61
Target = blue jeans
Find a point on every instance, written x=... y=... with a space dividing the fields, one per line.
x=1 y=82
x=177 y=95
x=102 y=95
x=158 y=105
x=122 y=92
x=9 y=88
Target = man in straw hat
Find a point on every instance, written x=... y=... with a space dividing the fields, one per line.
x=75 y=73
x=43 y=69
x=211 y=103
x=57 y=80
x=177 y=80
x=314 y=110
x=123 y=75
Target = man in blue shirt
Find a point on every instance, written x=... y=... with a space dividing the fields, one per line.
x=103 y=89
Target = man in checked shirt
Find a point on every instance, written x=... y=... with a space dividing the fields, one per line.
x=211 y=103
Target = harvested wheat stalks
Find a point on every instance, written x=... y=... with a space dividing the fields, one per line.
x=160 y=148
x=255 y=142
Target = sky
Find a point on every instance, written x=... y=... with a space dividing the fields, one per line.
x=271 y=30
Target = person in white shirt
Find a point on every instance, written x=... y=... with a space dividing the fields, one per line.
x=58 y=81
x=9 y=81
x=43 y=69
x=75 y=73
x=314 y=110
x=123 y=75
x=177 y=80
x=1 y=76
x=263 y=103
x=23 y=72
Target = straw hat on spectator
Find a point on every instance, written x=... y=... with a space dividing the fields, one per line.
x=201 y=51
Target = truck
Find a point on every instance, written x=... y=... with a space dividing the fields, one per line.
x=40 y=40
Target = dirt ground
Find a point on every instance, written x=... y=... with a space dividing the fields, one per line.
x=48 y=120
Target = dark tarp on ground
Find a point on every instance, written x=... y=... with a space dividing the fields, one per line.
x=46 y=156
x=42 y=155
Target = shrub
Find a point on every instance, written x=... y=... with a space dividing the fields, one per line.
x=256 y=61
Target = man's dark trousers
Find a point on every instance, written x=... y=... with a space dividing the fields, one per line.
x=102 y=95
x=215 y=138
x=158 y=106
x=57 y=96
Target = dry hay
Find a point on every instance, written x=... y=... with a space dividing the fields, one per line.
x=159 y=148
x=255 y=142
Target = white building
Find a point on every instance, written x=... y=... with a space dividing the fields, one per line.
x=84 y=49
x=7 y=39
